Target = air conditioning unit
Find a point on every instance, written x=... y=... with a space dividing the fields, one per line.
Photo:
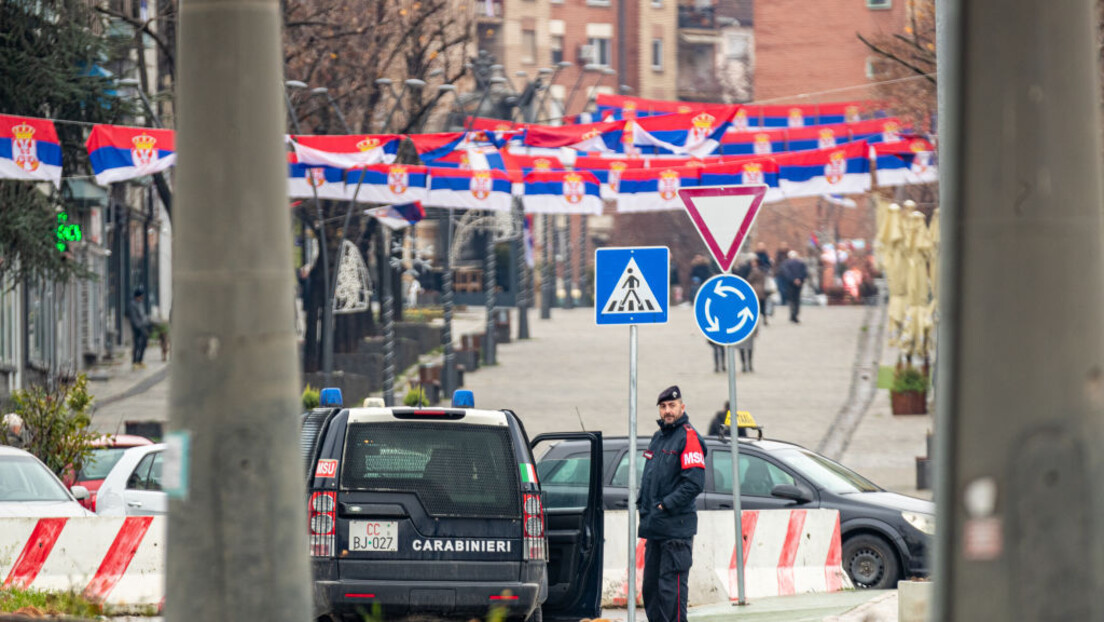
x=586 y=54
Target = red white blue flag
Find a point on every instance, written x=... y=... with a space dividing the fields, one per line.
x=399 y=216
x=29 y=149
x=607 y=171
x=469 y=189
x=387 y=183
x=696 y=133
x=587 y=137
x=842 y=170
x=431 y=147
x=761 y=142
x=120 y=153
x=347 y=151
x=745 y=172
x=306 y=182
x=905 y=162
x=885 y=130
x=655 y=189
x=562 y=192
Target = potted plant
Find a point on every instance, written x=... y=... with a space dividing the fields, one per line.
x=909 y=392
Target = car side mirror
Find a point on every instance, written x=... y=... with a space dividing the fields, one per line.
x=791 y=492
x=80 y=492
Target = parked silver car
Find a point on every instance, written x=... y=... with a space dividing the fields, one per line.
x=28 y=489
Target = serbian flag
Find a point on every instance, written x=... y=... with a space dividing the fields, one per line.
x=746 y=172
x=387 y=183
x=468 y=189
x=398 y=216
x=431 y=147
x=120 y=153
x=29 y=149
x=604 y=136
x=492 y=125
x=519 y=166
x=905 y=162
x=696 y=133
x=817 y=137
x=561 y=192
x=349 y=151
x=843 y=170
x=654 y=189
x=478 y=159
x=307 y=182
x=607 y=171
x=641 y=107
x=753 y=143
x=887 y=130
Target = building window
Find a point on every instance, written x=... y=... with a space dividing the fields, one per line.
x=657 y=4
x=557 y=47
x=528 y=46
x=598 y=2
x=600 y=51
x=657 y=54
x=879 y=4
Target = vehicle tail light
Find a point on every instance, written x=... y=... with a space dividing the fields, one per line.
x=323 y=522
x=535 y=545
x=92 y=502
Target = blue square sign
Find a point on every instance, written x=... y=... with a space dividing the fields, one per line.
x=631 y=285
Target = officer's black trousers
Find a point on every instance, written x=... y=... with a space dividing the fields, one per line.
x=666 y=579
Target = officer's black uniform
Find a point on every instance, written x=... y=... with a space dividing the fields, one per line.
x=674 y=475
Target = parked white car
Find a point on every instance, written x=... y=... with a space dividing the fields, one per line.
x=28 y=489
x=133 y=486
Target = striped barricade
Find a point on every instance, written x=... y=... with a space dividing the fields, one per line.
x=785 y=552
x=116 y=561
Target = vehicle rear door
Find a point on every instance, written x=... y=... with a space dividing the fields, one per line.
x=572 y=497
x=143 y=495
x=758 y=476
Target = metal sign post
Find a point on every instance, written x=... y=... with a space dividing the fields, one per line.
x=727 y=311
x=631 y=597
x=631 y=287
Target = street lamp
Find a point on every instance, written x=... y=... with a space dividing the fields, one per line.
x=451 y=88
x=333 y=104
x=589 y=67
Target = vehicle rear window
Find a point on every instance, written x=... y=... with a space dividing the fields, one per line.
x=456 y=470
x=99 y=464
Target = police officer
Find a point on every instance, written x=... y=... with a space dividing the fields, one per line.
x=674 y=475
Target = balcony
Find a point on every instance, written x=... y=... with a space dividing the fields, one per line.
x=698 y=17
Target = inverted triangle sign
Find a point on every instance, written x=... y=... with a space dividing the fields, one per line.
x=723 y=216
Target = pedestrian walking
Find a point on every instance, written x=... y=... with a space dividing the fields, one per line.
x=757 y=278
x=140 y=326
x=13 y=432
x=779 y=259
x=793 y=273
x=674 y=475
x=719 y=363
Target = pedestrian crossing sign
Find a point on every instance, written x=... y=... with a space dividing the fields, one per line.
x=631 y=285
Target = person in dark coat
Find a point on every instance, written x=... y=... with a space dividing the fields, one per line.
x=140 y=326
x=674 y=475
x=793 y=273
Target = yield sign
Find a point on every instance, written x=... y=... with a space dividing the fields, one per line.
x=723 y=216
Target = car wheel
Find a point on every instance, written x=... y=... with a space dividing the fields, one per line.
x=870 y=562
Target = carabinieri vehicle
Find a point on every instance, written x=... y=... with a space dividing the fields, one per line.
x=440 y=511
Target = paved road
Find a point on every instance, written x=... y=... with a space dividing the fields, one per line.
x=572 y=373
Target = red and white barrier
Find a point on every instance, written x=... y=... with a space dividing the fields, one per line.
x=785 y=552
x=117 y=561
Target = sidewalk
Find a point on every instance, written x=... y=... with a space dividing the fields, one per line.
x=850 y=606
x=122 y=393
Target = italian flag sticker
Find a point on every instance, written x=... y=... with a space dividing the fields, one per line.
x=528 y=473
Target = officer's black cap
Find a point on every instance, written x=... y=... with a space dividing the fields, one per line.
x=668 y=394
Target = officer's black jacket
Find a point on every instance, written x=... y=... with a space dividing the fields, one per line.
x=674 y=475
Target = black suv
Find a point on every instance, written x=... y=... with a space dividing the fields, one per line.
x=440 y=511
x=886 y=536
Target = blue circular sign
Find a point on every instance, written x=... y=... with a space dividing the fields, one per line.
x=727 y=309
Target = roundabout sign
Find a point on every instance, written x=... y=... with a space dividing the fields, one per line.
x=726 y=309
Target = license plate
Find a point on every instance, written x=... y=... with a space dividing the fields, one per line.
x=373 y=535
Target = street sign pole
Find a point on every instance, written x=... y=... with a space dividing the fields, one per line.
x=737 y=510
x=631 y=286
x=632 y=474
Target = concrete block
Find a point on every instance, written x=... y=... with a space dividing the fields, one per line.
x=913 y=600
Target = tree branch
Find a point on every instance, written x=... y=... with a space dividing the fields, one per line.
x=144 y=27
x=893 y=57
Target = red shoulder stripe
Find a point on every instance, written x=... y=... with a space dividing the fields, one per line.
x=692 y=455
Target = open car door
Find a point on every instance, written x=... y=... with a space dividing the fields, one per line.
x=569 y=469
